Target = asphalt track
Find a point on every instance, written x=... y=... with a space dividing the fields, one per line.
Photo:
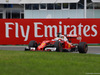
x=91 y=49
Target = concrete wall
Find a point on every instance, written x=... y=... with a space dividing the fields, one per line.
x=54 y=13
x=93 y=13
x=11 y=1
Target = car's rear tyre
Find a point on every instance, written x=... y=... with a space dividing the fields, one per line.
x=82 y=47
x=58 y=46
x=32 y=44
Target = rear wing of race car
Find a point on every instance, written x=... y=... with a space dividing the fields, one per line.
x=72 y=36
x=75 y=36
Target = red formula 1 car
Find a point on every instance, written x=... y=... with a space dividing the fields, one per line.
x=60 y=44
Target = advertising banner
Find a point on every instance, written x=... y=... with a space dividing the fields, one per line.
x=21 y=31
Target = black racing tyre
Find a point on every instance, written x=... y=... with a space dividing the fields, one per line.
x=58 y=46
x=32 y=44
x=82 y=47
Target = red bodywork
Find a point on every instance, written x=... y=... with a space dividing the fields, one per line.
x=65 y=44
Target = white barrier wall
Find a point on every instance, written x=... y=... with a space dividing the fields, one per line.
x=90 y=13
x=97 y=13
x=10 y=1
x=93 y=13
x=54 y=13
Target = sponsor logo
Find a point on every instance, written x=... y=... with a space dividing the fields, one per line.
x=42 y=30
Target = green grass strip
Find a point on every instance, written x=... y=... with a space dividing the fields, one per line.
x=47 y=63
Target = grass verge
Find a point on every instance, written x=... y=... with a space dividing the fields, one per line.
x=47 y=63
